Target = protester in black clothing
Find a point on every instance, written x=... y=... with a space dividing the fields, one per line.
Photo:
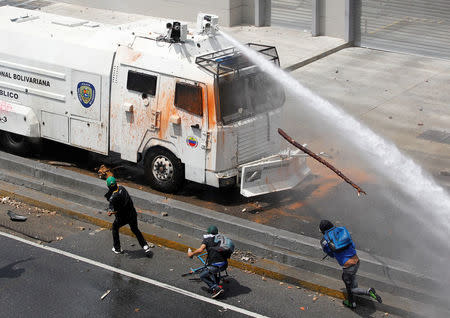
x=215 y=262
x=121 y=205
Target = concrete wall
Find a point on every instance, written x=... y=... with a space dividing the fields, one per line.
x=332 y=18
x=230 y=12
x=331 y=15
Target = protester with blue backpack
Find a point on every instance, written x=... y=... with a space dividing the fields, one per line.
x=337 y=243
x=219 y=248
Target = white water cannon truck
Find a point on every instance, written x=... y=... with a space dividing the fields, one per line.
x=185 y=105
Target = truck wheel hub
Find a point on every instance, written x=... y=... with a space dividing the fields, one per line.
x=162 y=168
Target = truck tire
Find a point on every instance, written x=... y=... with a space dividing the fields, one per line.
x=16 y=144
x=163 y=170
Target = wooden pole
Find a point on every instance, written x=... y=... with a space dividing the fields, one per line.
x=321 y=160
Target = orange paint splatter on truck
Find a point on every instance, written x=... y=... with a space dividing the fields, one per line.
x=212 y=117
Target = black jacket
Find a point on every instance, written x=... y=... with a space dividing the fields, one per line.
x=214 y=256
x=120 y=202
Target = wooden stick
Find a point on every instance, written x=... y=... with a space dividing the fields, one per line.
x=321 y=160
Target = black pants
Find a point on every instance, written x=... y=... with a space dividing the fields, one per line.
x=132 y=221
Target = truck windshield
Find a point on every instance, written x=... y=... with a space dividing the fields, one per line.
x=243 y=96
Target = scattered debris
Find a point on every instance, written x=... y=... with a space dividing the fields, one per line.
x=386 y=314
x=321 y=160
x=136 y=310
x=244 y=210
x=281 y=283
x=263 y=278
x=445 y=173
x=16 y=217
x=302 y=308
x=104 y=172
x=82 y=228
x=315 y=298
x=298 y=287
x=105 y=294
x=171 y=269
x=164 y=213
x=59 y=238
x=289 y=287
x=151 y=245
x=60 y=163
x=179 y=235
x=420 y=124
x=248 y=256
x=5 y=200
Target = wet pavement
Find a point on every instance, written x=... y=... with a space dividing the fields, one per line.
x=43 y=283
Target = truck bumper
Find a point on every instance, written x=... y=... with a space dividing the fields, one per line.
x=272 y=174
x=19 y=119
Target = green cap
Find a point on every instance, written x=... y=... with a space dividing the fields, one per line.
x=212 y=230
x=110 y=181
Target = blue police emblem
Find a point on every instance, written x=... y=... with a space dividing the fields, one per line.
x=86 y=94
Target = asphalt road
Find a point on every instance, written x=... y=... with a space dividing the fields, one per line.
x=70 y=278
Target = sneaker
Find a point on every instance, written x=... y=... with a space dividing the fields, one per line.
x=374 y=295
x=119 y=251
x=346 y=303
x=217 y=292
x=146 y=249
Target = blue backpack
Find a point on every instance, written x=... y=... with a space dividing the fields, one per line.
x=225 y=245
x=338 y=238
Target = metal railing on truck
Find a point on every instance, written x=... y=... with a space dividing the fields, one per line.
x=232 y=60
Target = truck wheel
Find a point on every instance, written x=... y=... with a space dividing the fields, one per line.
x=163 y=170
x=17 y=144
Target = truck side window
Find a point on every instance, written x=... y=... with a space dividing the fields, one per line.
x=189 y=97
x=141 y=82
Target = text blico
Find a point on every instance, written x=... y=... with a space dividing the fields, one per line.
x=9 y=94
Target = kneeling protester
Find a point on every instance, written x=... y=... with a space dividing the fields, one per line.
x=219 y=249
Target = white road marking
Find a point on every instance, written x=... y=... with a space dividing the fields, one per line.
x=135 y=276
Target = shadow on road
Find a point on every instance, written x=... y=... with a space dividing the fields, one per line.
x=9 y=271
x=233 y=288
x=138 y=254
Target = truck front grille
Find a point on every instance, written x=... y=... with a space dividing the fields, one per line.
x=253 y=140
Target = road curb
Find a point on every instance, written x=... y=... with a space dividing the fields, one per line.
x=314 y=58
x=163 y=242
